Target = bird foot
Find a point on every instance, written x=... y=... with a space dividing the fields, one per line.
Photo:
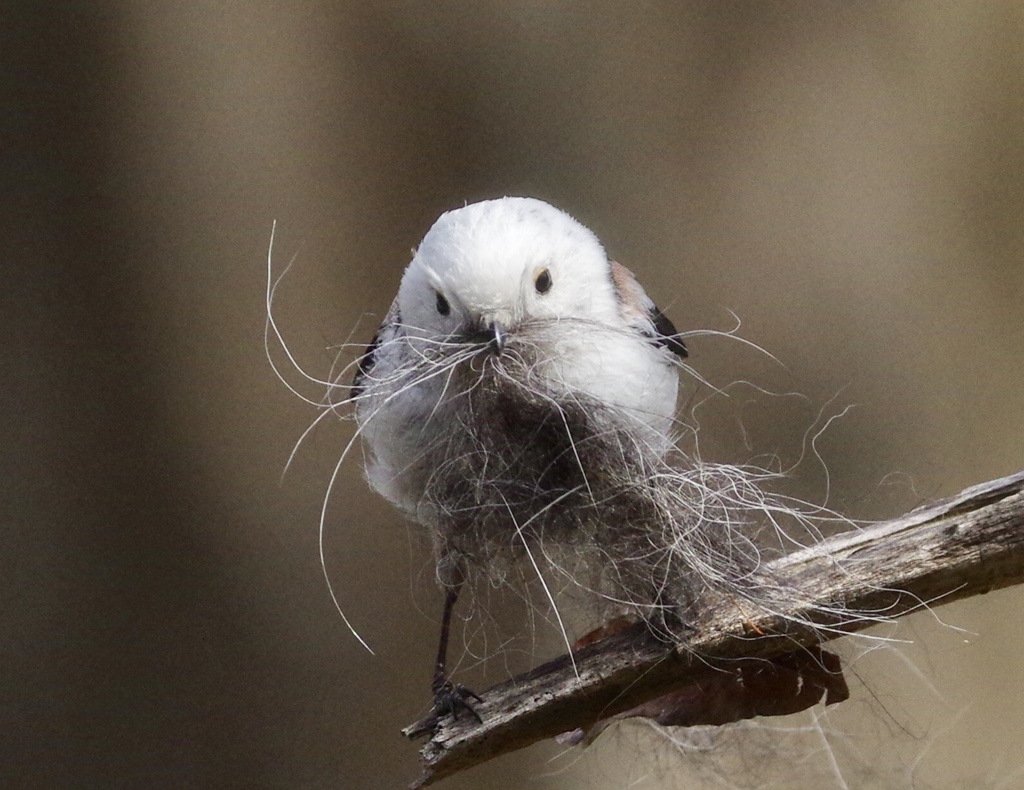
x=452 y=699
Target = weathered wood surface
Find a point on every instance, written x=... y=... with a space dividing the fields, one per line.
x=963 y=546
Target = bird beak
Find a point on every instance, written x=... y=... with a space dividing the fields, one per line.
x=489 y=333
x=497 y=336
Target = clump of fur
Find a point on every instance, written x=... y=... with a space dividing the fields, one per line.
x=524 y=472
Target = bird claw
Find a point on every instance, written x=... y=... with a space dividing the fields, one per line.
x=451 y=699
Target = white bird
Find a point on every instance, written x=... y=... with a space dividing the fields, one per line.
x=519 y=401
x=521 y=391
x=519 y=270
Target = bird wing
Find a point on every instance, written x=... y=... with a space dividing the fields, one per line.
x=639 y=309
x=364 y=366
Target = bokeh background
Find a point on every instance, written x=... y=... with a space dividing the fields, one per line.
x=845 y=177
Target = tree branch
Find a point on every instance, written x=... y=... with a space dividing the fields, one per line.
x=967 y=545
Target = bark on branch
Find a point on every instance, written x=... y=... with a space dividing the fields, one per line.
x=967 y=545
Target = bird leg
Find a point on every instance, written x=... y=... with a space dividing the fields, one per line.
x=449 y=698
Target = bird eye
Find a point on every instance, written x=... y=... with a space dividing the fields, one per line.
x=542 y=282
x=442 y=304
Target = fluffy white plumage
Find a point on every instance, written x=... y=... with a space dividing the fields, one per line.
x=593 y=331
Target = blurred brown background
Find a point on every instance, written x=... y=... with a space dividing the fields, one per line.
x=846 y=177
